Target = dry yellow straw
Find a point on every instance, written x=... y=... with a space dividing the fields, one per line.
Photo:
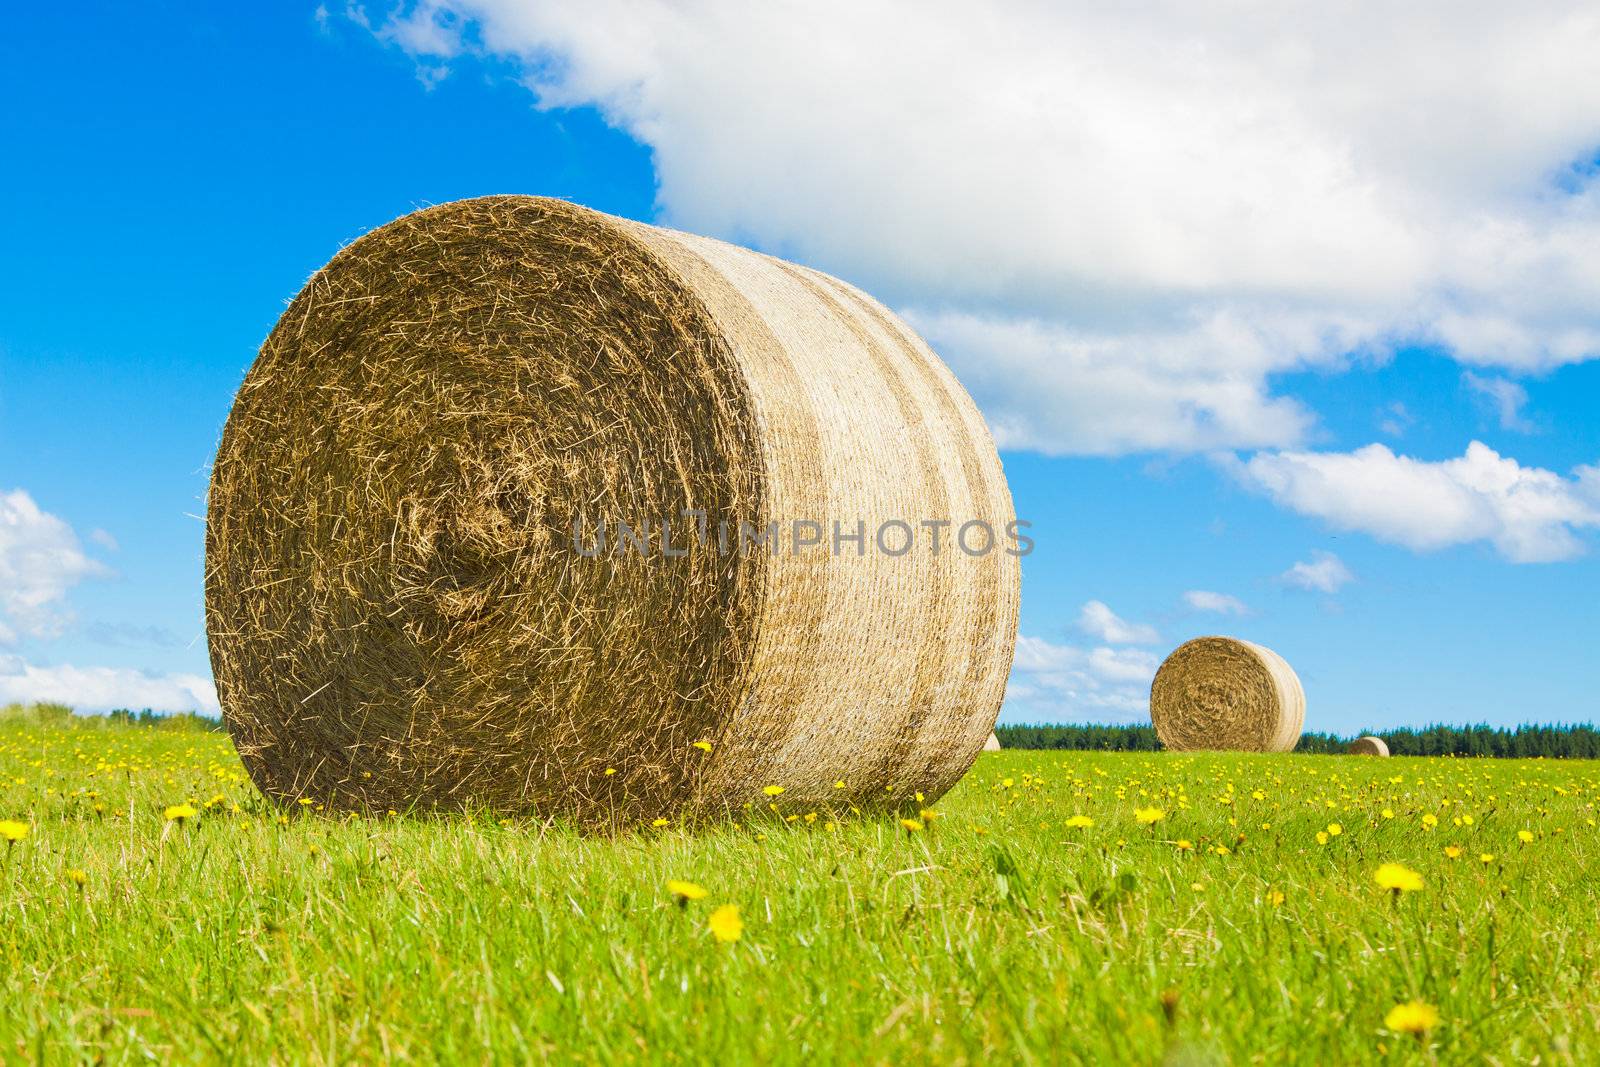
x=397 y=610
x=992 y=745
x=1369 y=746
x=1224 y=693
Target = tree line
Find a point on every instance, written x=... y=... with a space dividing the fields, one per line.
x=1520 y=742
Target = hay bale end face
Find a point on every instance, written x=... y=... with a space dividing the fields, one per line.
x=1224 y=693
x=1369 y=746
x=993 y=744
x=400 y=605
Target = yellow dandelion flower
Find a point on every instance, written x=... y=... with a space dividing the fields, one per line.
x=1322 y=837
x=685 y=891
x=1198 y=887
x=660 y=822
x=703 y=746
x=1414 y=1017
x=1007 y=783
x=1149 y=816
x=1398 y=878
x=1429 y=821
x=1486 y=858
x=179 y=812
x=77 y=877
x=1466 y=820
x=1080 y=822
x=1453 y=851
x=1387 y=813
x=928 y=815
x=725 y=924
x=1275 y=898
x=610 y=771
x=839 y=784
x=772 y=790
x=1525 y=836
x=912 y=826
x=13 y=831
x=1184 y=844
x=1334 y=829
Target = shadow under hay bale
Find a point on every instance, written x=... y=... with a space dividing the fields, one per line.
x=1224 y=693
x=401 y=605
x=1369 y=746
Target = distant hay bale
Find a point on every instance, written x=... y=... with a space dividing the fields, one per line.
x=1369 y=746
x=400 y=607
x=1223 y=693
x=992 y=745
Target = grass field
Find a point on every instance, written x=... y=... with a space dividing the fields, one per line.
x=1240 y=926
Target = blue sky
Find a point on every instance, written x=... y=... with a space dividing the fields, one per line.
x=1213 y=348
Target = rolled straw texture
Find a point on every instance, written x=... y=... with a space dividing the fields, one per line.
x=992 y=745
x=1369 y=746
x=397 y=613
x=1223 y=693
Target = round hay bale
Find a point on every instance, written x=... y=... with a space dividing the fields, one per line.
x=993 y=744
x=1224 y=693
x=408 y=599
x=1369 y=746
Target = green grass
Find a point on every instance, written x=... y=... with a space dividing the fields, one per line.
x=995 y=932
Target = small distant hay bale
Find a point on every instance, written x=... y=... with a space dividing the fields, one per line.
x=1369 y=746
x=993 y=744
x=1224 y=693
x=397 y=612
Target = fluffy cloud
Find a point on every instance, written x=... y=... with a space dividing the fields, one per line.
x=1117 y=221
x=1218 y=603
x=1100 y=621
x=1528 y=514
x=40 y=559
x=103 y=688
x=1063 y=682
x=1324 y=572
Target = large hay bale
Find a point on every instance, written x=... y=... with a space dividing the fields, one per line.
x=398 y=608
x=1223 y=693
x=1369 y=746
x=993 y=744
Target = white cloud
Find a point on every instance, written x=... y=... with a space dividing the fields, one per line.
x=1528 y=514
x=1324 y=573
x=1051 y=681
x=104 y=539
x=1117 y=221
x=1100 y=621
x=103 y=688
x=1504 y=395
x=40 y=559
x=1218 y=603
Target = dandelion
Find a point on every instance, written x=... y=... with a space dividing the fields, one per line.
x=1149 y=816
x=13 y=831
x=1322 y=837
x=772 y=790
x=306 y=802
x=1334 y=829
x=1387 y=813
x=685 y=891
x=77 y=877
x=1223 y=850
x=1453 y=851
x=1486 y=858
x=610 y=771
x=1397 y=878
x=1080 y=822
x=928 y=815
x=839 y=784
x=1525 y=836
x=1184 y=844
x=1466 y=820
x=1198 y=887
x=1414 y=1017
x=725 y=924
x=1007 y=783
x=1275 y=898
x=913 y=826
x=658 y=823
x=1429 y=821
x=179 y=812
x=703 y=746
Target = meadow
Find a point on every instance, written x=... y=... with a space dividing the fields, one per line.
x=1055 y=907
